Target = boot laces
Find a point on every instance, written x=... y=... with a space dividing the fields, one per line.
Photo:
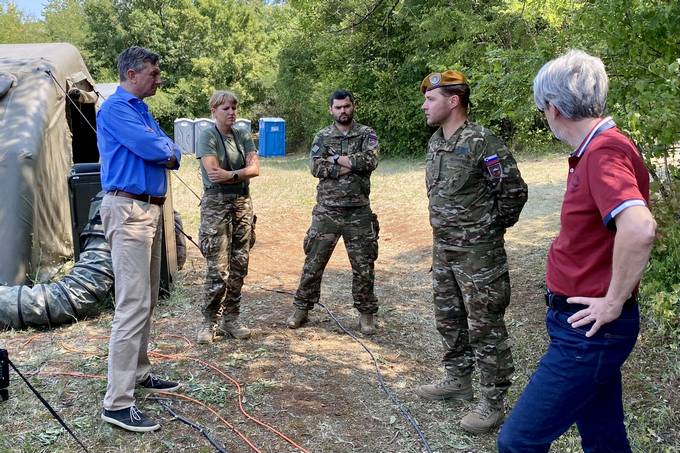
x=484 y=408
x=448 y=381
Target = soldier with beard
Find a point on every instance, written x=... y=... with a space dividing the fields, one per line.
x=343 y=156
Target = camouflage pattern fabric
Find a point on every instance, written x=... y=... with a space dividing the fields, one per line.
x=471 y=292
x=224 y=237
x=475 y=192
x=359 y=230
x=353 y=189
x=474 y=186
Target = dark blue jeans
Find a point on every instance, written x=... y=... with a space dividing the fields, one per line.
x=578 y=380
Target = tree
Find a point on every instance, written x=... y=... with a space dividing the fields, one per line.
x=16 y=28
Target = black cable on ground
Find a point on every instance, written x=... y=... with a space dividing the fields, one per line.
x=403 y=409
x=49 y=408
x=188 y=422
x=381 y=381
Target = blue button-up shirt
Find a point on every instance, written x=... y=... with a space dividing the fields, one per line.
x=132 y=147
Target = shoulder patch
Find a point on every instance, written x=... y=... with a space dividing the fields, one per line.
x=372 y=139
x=493 y=166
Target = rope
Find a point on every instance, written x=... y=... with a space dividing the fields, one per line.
x=47 y=71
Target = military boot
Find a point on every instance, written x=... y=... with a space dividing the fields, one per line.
x=484 y=417
x=452 y=387
x=366 y=324
x=207 y=333
x=298 y=318
x=234 y=328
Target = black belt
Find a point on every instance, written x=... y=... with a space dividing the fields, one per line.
x=559 y=303
x=225 y=189
x=158 y=201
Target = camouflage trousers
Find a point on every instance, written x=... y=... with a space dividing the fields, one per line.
x=224 y=237
x=471 y=292
x=359 y=229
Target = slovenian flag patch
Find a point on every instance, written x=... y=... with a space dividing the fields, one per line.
x=493 y=166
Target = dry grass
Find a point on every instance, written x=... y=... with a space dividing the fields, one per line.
x=315 y=384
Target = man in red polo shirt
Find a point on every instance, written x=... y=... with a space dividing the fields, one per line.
x=593 y=270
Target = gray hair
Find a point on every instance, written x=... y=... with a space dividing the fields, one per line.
x=575 y=83
x=134 y=58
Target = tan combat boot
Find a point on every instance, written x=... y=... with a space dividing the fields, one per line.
x=207 y=333
x=234 y=328
x=484 y=417
x=298 y=318
x=452 y=387
x=366 y=324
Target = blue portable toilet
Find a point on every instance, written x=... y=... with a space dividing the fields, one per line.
x=272 y=137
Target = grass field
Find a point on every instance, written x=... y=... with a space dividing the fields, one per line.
x=315 y=384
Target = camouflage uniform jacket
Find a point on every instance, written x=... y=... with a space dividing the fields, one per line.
x=474 y=187
x=354 y=188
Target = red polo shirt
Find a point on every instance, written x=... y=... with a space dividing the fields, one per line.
x=609 y=177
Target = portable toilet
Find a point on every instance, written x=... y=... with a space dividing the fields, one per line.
x=243 y=124
x=199 y=125
x=272 y=137
x=184 y=135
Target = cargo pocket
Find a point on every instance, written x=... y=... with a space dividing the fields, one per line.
x=252 y=231
x=487 y=266
x=207 y=240
x=307 y=242
x=375 y=228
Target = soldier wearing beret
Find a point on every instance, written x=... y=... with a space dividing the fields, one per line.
x=475 y=192
x=343 y=156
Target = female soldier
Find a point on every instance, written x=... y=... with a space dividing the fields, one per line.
x=228 y=161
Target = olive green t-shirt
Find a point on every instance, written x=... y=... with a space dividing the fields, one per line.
x=238 y=144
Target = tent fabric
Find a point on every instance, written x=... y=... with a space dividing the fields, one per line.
x=35 y=159
x=81 y=293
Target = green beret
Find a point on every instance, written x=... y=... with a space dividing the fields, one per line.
x=442 y=79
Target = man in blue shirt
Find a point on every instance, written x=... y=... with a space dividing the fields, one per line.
x=135 y=155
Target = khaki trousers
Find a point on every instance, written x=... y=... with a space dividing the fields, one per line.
x=132 y=230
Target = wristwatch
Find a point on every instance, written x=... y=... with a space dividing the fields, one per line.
x=235 y=177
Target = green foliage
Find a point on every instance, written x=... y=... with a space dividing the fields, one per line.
x=15 y=27
x=639 y=42
x=64 y=22
x=661 y=285
x=204 y=45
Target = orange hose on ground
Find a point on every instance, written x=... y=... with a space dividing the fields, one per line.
x=169 y=394
x=214 y=368
x=215 y=413
x=238 y=396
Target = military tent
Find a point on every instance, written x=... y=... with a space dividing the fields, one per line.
x=41 y=135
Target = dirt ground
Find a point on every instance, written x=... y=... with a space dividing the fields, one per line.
x=315 y=384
